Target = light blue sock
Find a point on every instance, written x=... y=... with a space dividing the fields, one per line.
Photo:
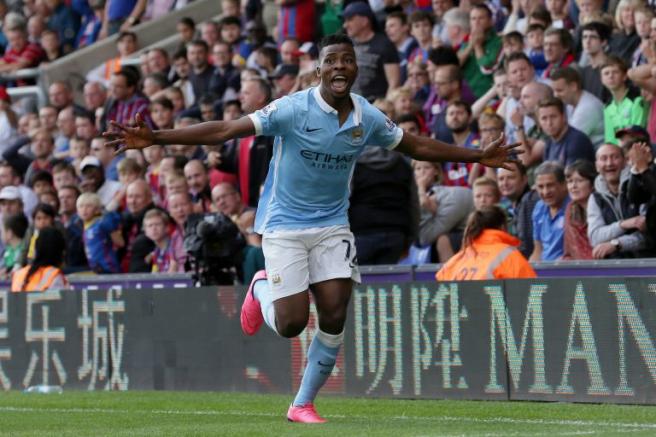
x=265 y=297
x=320 y=362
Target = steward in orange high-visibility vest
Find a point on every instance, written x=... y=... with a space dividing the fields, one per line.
x=44 y=272
x=488 y=252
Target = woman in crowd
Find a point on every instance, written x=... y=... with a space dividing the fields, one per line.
x=488 y=251
x=580 y=185
x=44 y=273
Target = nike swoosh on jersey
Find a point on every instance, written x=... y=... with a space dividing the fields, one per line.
x=308 y=129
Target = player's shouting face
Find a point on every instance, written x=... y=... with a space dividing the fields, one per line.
x=337 y=69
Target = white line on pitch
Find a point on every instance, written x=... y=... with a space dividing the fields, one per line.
x=636 y=426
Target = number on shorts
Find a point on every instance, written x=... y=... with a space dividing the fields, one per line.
x=347 y=256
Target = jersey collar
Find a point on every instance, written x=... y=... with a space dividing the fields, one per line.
x=357 y=109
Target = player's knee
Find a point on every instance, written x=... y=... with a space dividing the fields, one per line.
x=333 y=323
x=291 y=327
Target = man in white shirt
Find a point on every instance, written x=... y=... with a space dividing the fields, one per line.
x=585 y=112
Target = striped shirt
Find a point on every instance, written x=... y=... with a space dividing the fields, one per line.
x=123 y=112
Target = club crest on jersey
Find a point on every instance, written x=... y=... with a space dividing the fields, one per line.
x=357 y=135
x=389 y=124
x=269 y=109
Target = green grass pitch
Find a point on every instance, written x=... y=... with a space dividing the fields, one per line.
x=237 y=414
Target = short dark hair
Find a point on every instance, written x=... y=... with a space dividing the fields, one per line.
x=564 y=37
x=402 y=16
x=541 y=13
x=569 y=74
x=552 y=102
x=420 y=15
x=513 y=36
x=130 y=74
x=61 y=166
x=187 y=21
x=180 y=53
x=163 y=101
x=584 y=168
x=482 y=7
x=461 y=104
x=73 y=188
x=616 y=61
x=46 y=209
x=41 y=175
x=200 y=43
x=17 y=224
x=535 y=26
x=601 y=29
x=335 y=38
x=443 y=55
x=407 y=118
x=230 y=21
x=517 y=56
x=126 y=33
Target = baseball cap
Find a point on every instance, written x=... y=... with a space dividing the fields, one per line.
x=10 y=193
x=358 y=8
x=284 y=69
x=633 y=130
x=307 y=48
x=90 y=161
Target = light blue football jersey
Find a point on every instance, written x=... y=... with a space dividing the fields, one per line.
x=308 y=184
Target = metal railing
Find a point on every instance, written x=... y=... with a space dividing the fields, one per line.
x=19 y=92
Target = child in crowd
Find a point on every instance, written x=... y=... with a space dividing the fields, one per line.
x=79 y=149
x=177 y=97
x=102 y=233
x=486 y=193
x=401 y=99
x=421 y=29
x=13 y=233
x=535 y=47
x=627 y=107
x=409 y=123
x=49 y=198
x=162 y=259
x=41 y=182
x=162 y=113
x=129 y=171
x=43 y=216
x=63 y=174
x=513 y=42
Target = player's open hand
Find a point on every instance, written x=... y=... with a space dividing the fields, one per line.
x=498 y=154
x=138 y=137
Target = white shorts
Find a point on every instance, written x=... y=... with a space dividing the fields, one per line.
x=295 y=259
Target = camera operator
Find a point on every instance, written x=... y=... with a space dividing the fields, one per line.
x=214 y=246
x=227 y=200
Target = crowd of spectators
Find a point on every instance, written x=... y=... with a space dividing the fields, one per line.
x=574 y=82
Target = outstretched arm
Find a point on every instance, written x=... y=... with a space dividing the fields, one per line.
x=496 y=154
x=208 y=133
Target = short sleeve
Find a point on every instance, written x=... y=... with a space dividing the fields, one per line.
x=385 y=133
x=390 y=53
x=275 y=119
x=110 y=222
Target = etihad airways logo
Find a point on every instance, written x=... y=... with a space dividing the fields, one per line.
x=327 y=161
